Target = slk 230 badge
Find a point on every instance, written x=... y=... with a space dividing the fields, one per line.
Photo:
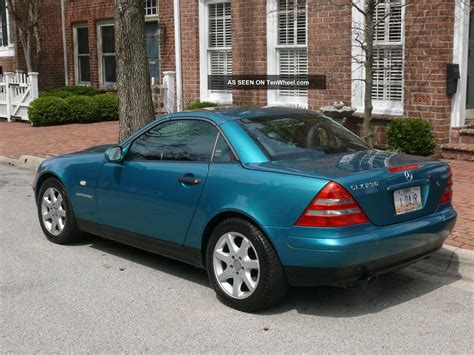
x=365 y=185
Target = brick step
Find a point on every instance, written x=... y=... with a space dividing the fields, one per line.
x=466 y=135
x=461 y=151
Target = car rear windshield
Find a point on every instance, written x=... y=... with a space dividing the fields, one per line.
x=301 y=136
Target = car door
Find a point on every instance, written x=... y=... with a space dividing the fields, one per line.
x=155 y=190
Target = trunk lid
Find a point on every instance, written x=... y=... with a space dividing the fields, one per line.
x=366 y=176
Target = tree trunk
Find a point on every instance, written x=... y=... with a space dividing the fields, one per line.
x=368 y=66
x=133 y=81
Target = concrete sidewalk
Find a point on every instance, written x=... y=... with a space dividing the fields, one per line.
x=24 y=145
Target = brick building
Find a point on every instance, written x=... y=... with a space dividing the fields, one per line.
x=51 y=64
x=414 y=43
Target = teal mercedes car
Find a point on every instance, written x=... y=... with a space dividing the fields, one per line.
x=262 y=199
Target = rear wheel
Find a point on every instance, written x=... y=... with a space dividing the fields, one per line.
x=243 y=267
x=55 y=213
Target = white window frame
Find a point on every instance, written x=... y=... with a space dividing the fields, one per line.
x=273 y=96
x=76 y=55
x=102 y=82
x=205 y=93
x=152 y=16
x=393 y=108
x=9 y=50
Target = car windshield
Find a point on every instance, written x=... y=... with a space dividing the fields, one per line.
x=302 y=136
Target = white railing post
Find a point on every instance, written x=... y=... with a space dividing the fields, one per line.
x=34 y=92
x=8 y=79
x=169 y=78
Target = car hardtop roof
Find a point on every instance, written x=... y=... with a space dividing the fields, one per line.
x=222 y=114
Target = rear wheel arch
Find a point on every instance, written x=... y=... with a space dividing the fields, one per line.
x=217 y=219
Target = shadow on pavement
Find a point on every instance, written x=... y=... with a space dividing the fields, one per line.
x=389 y=290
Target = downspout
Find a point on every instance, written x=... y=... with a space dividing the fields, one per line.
x=63 y=24
x=177 y=46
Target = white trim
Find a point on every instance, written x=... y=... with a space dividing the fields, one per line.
x=100 y=24
x=9 y=50
x=273 y=97
x=394 y=108
x=204 y=93
x=460 y=56
x=76 y=53
x=177 y=52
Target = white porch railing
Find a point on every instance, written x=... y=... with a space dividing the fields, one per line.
x=17 y=90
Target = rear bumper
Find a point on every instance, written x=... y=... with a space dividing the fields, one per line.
x=313 y=256
x=343 y=276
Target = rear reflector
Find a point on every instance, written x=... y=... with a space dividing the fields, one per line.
x=396 y=169
x=332 y=207
x=447 y=195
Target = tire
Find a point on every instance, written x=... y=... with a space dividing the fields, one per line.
x=62 y=214
x=255 y=264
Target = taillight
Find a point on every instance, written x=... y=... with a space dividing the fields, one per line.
x=397 y=169
x=447 y=195
x=332 y=207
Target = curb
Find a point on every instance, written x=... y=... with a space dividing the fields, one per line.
x=25 y=161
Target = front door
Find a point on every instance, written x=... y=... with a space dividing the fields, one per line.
x=152 y=39
x=155 y=190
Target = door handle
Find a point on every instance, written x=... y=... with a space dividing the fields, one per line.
x=189 y=180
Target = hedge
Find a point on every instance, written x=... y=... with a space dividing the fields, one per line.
x=51 y=110
x=410 y=136
x=197 y=105
x=68 y=91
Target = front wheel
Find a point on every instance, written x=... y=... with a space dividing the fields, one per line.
x=243 y=267
x=55 y=213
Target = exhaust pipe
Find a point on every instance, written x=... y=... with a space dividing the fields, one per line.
x=369 y=279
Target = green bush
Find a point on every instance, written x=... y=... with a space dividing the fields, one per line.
x=68 y=91
x=197 y=105
x=80 y=109
x=48 y=110
x=411 y=136
x=105 y=107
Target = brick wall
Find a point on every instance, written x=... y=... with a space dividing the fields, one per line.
x=249 y=47
x=329 y=51
x=167 y=49
x=429 y=47
x=51 y=66
x=80 y=12
x=190 y=50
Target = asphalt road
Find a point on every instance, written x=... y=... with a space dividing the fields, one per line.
x=100 y=296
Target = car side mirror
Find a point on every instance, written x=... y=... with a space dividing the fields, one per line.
x=114 y=154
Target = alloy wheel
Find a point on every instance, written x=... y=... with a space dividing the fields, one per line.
x=236 y=265
x=53 y=211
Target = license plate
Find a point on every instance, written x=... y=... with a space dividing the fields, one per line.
x=407 y=200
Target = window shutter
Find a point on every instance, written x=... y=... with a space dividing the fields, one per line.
x=388 y=51
x=293 y=62
x=220 y=42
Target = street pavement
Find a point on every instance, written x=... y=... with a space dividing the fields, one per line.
x=100 y=296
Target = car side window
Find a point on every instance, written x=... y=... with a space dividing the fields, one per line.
x=223 y=153
x=176 y=140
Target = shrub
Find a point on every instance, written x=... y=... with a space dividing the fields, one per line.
x=68 y=91
x=80 y=109
x=411 y=136
x=197 y=105
x=47 y=110
x=105 y=107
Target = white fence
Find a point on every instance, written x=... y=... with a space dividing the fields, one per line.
x=17 y=90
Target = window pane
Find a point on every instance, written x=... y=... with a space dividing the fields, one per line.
x=84 y=69
x=301 y=137
x=109 y=69
x=108 y=39
x=223 y=152
x=3 y=24
x=183 y=140
x=220 y=25
x=82 y=40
